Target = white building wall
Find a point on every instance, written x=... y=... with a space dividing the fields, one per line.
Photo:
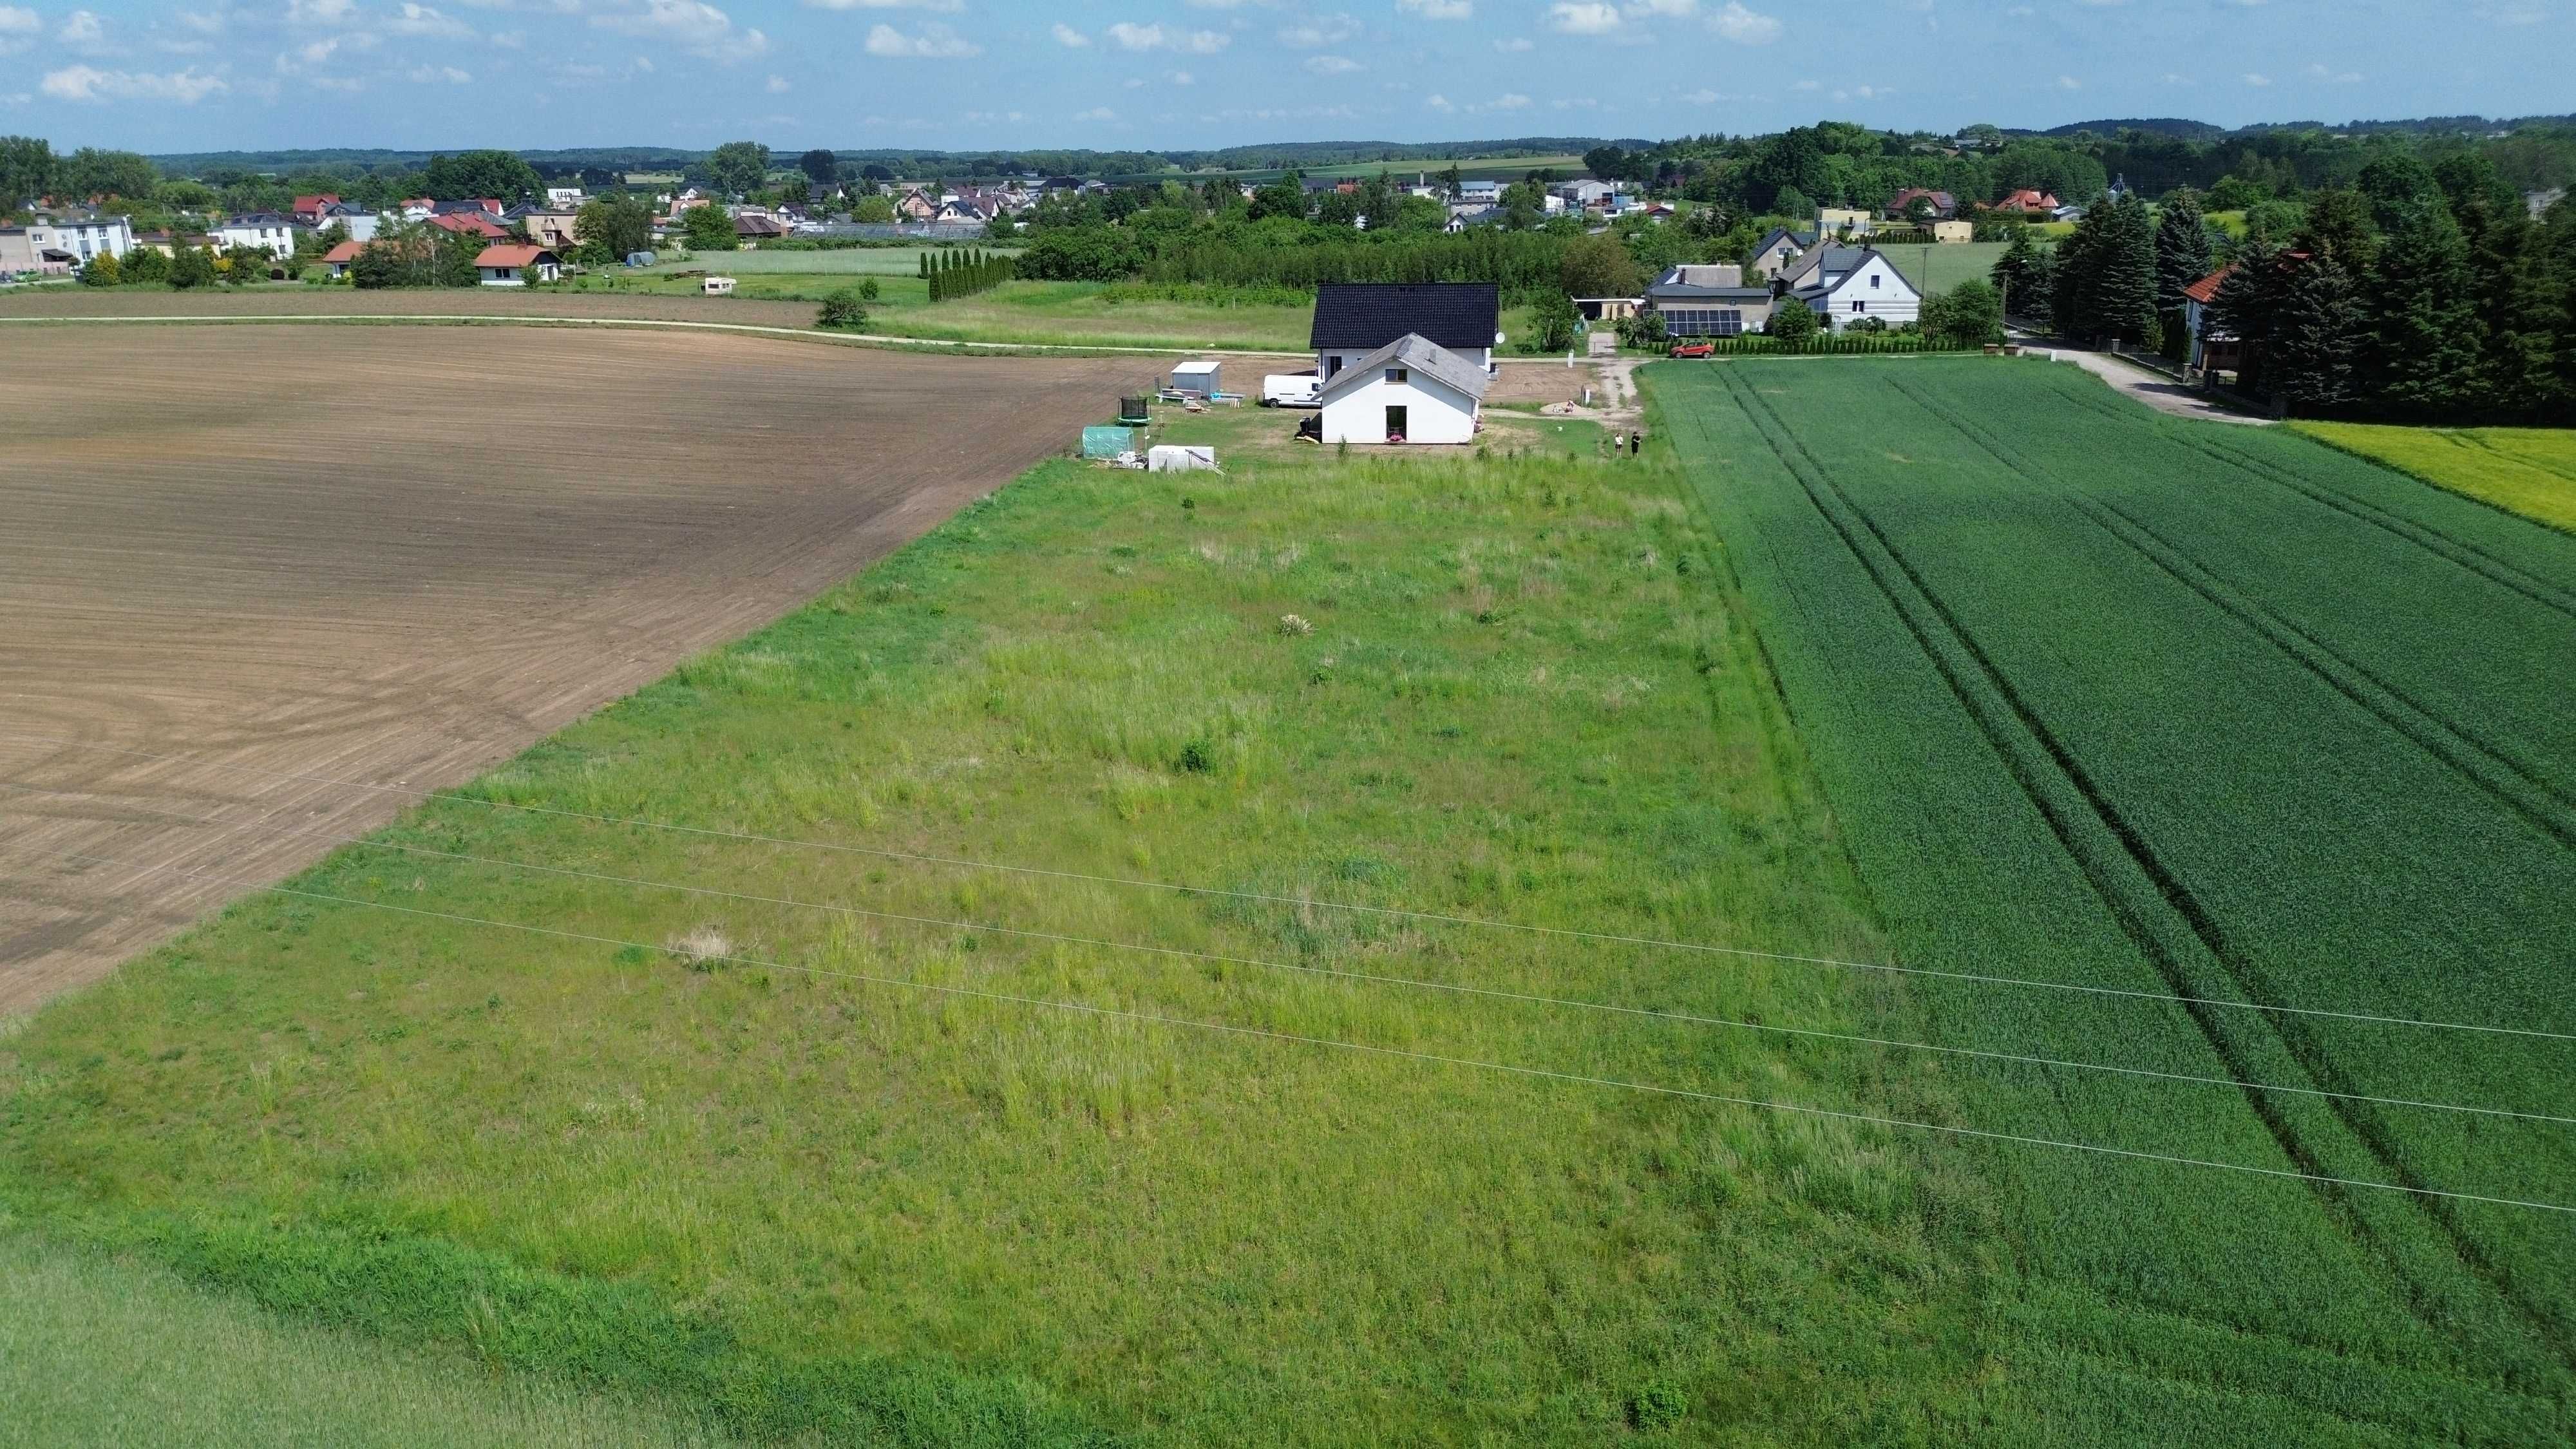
x=277 y=240
x=1433 y=413
x=1881 y=292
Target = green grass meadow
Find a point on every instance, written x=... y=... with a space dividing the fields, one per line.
x=2530 y=471
x=1070 y=314
x=2146 y=704
x=798 y=1149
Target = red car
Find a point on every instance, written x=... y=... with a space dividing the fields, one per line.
x=1694 y=349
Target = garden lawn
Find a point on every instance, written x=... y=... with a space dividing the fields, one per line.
x=1934 y=269
x=855 y=1168
x=2530 y=471
x=2146 y=705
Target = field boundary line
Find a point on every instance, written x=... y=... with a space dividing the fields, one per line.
x=1526 y=998
x=2503 y=573
x=459 y=796
x=803 y=334
x=2439 y=486
x=1336 y=1043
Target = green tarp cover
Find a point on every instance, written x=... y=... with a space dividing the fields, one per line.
x=1107 y=442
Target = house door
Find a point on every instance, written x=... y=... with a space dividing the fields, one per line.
x=1395 y=425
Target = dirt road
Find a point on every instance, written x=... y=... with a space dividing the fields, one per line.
x=399 y=555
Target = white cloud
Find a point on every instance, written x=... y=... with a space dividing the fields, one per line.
x=1180 y=78
x=1704 y=97
x=1508 y=101
x=1132 y=36
x=944 y=7
x=1436 y=102
x=422 y=20
x=1515 y=45
x=2257 y=78
x=1743 y=26
x=1639 y=9
x=693 y=25
x=1589 y=18
x=435 y=74
x=88 y=83
x=2069 y=83
x=1332 y=64
x=82 y=28
x=1096 y=113
x=1068 y=36
x=935 y=42
x=2341 y=78
x=321 y=12
x=1806 y=85
x=1319 y=30
x=1438 y=9
x=14 y=21
x=778 y=85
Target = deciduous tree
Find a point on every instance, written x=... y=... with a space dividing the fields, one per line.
x=708 y=229
x=737 y=168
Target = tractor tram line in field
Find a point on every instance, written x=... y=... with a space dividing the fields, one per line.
x=2465 y=554
x=2548 y=814
x=1987 y=583
x=2512 y=782
x=2117 y=862
x=1674 y=1017
x=2186 y=969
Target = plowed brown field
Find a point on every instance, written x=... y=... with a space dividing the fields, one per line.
x=394 y=556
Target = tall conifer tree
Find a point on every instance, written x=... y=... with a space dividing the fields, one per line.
x=2423 y=338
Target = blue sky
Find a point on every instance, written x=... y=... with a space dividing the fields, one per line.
x=170 y=75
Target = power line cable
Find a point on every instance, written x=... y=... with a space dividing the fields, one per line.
x=1337 y=1044
x=1365 y=977
x=1481 y=922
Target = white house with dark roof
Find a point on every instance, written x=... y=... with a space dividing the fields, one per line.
x=1355 y=319
x=1412 y=390
x=1847 y=286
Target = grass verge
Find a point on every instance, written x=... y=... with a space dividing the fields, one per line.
x=99 y=1349
x=1505 y=684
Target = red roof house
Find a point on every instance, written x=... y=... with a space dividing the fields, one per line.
x=2027 y=199
x=516 y=265
x=309 y=208
x=472 y=222
x=2205 y=291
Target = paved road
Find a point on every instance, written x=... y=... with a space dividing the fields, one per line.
x=2157 y=390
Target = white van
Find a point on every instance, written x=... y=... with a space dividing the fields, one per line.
x=1292 y=390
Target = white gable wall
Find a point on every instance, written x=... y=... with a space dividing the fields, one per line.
x=1434 y=411
x=1873 y=289
x=1328 y=365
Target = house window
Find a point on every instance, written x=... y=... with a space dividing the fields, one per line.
x=1873 y=281
x=1398 y=374
x=1860 y=306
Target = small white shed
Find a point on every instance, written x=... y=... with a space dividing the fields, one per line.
x=1412 y=390
x=1198 y=379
